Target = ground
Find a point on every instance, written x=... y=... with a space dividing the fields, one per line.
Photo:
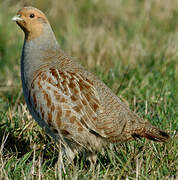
x=133 y=47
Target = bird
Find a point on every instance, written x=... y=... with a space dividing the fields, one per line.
x=70 y=103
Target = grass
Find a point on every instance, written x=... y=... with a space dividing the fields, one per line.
x=132 y=46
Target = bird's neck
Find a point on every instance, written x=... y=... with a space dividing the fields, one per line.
x=37 y=53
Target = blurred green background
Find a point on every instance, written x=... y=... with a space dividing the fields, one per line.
x=132 y=45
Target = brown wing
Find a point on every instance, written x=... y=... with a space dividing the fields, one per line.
x=68 y=102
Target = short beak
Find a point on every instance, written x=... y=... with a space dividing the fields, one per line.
x=17 y=18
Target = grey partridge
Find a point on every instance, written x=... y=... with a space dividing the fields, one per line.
x=68 y=102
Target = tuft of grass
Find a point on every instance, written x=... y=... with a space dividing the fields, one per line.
x=132 y=46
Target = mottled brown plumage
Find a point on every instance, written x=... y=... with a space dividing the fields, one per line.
x=69 y=102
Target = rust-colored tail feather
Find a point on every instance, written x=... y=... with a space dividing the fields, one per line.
x=153 y=133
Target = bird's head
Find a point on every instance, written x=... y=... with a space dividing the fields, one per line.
x=31 y=21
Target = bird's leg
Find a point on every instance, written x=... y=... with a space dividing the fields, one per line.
x=70 y=155
x=92 y=157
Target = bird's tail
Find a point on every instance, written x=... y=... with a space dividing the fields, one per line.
x=152 y=133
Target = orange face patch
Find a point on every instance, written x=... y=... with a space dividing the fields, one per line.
x=32 y=22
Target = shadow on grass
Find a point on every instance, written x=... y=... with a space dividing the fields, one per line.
x=12 y=143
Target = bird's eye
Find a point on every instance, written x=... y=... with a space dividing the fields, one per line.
x=32 y=16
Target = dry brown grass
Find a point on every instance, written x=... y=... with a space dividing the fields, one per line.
x=132 y=46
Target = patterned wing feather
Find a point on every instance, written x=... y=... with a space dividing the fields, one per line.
x=67 y=102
